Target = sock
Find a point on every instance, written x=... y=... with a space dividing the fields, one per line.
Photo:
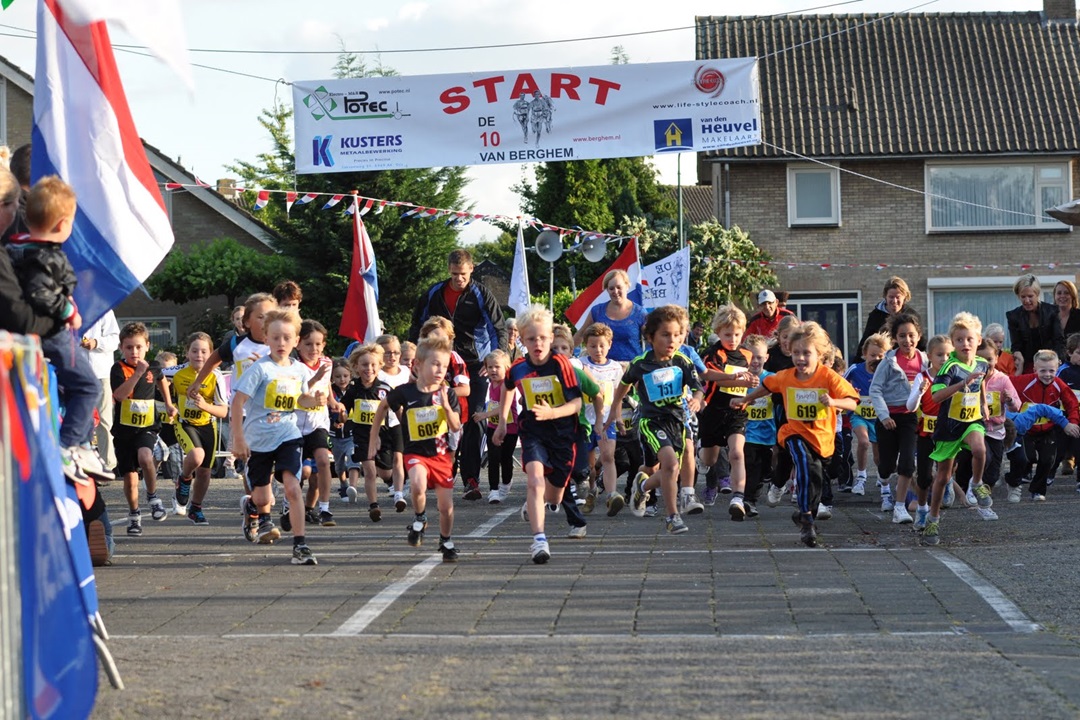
x=264 y=517
x=738 y=495
x=925 y=508
x=324 y=506
x=860 y=475
x=251 y=510
x=540 y=537
x=373 y=505
x=151 y=496
x=298 y=540
x=196 y=507
x=444 y=539
x=551 y=507
x=934 y=519
x=134 y=512
x=686 y=491
x=421 y=517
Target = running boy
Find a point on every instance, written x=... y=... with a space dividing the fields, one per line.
x=429 y=411
x=362 y=399
x=314 y=423
x=266 y=435
x=863 y=426
x=760 y=427
x=393 y=374
x=661 y=375
x=608 y=373
x=500 y=457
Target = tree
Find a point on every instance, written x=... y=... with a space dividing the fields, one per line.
x=219 y=267
x=409 y=253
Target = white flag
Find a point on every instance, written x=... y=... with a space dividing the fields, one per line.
x=519 y=278
x=667 y=281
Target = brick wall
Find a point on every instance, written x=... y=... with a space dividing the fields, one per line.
x=880 y=224
x=20 y=114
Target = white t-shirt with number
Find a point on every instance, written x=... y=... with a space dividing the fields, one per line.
x=273 y=396
x=607 y=377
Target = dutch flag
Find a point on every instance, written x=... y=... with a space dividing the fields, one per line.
x=83 y=132
x=360 y=316
x=595 y=294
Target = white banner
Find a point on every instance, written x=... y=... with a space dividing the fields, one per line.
x=604 y=111
x=667 y=282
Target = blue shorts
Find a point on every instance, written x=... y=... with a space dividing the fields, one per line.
x=594 y=439
x=557 y=458
x=870 y=425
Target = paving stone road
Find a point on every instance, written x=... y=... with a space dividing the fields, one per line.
x=728 y=620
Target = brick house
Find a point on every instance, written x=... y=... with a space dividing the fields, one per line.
x=198 y=215
x=905 y=113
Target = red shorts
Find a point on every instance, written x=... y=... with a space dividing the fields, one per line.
x=440 y=469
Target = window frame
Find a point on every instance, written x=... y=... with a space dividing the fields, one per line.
x=154 y=322
x=983 y=282
x=3 y=112
x=1047 y=225
x=834 y=220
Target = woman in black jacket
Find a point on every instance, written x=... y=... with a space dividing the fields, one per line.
x=895 y=298
x=1034 y=325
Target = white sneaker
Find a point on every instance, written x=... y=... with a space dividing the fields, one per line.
x=577 y=533
x=540 y=551
x=859 y=488
x=824 y=512
x=350 y=493
x=776 y=494
x=987 y=513
x=972 y=501
x=689 y=504
x=1014 y=494
x=495 y=497
x=91 y=463
x=887 y=503
x=901 y=516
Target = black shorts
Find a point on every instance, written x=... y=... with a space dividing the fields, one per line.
x=127 y=448
x=558 y=458
x=288 y=457
x=657 y=433
x=203 y=437
x=717 y=423
x=384 y=456
x=314 y=440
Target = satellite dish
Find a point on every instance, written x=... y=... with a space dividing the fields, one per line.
x=1069 y=213
x=593 y=249
x=549 y=246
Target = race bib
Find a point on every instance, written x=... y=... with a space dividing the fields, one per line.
x=627 y=424
x=760 y=410
x=731 y=370
x=664 y=385
x=322 y=386
x=137 y=413
x=805 y=404
x=190 y=413
x=993 y=403
x=282 y=394
x=929 y=422
x=242 y=365
x=426 y=423
x=865 y=409
x=546 y=388
x=965 y=407
x=363 y=412
x=161 y=412
x=1026 y=406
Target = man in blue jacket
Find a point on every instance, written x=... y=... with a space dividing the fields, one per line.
x=479 y=328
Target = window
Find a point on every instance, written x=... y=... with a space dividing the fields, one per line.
x=837 y=312
x=813 y=195
x=1003 y=196
x=162 y=331
x=989 y=298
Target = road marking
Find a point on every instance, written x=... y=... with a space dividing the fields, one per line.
x=581 y=637
x=1006 y=609
x=386 y=597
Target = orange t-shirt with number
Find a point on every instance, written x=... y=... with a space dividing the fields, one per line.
x=806 y=416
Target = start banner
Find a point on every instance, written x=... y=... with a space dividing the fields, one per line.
x=605 y=111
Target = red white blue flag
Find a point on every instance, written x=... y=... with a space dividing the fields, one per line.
x=596 y=294
x=83 y=131
x=262 y=199
x=360 y=316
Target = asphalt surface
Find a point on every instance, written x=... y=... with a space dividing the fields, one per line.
x=728 y=620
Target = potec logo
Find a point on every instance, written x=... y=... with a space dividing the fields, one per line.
x=319 y=103
x=673 y=135
x=320 y=151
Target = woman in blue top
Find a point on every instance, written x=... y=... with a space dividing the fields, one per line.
x=622 y=315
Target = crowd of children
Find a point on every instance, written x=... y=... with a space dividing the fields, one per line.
x=751 y=413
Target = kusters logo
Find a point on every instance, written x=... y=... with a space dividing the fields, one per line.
x=709 y=80
x=320 y=151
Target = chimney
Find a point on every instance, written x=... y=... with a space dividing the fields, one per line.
x=227 y=187
x=1060 y=11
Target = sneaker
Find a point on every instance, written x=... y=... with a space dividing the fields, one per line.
x=1078 y=487
x=859 y=488
x=615 y=503
x=157 y=510
x=71 y=467
x=472 y=490
x=1014 y=494
x=374 y=513
x=846 y=486
x=751 y=509
x=887 y=503
x=91 y=463
x=182 y=496
x=725 y=486
x=640 y=496
x=134 y=524
x=99 y=545
x=577 y=533
x=651 y=511
x=709 y=496
x=196 y=516
x=267 y=533
x=416 y=533
x=525 y=511
x=495 y=497
x=301 y=555
x=1038 y=497
x=343 y=493
x=807 y=532
x=983 y=496
x=824 y=512
x=776 y=494
x=920 y=519
x=177 y=508
x=399 y=502
x=590 y=502
x=449 y=552
x=690 y=505
x=326 y=518
x=900 y=516
x=248 y=522
x=675 y=525
x=311 y=516
x=736 y=509
x=950 y=496
x=970 y=498
x=351 y=494
x=540 y=551
x=987 y=513
x=504 y=490
x=930 y=534
x=285 y=520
